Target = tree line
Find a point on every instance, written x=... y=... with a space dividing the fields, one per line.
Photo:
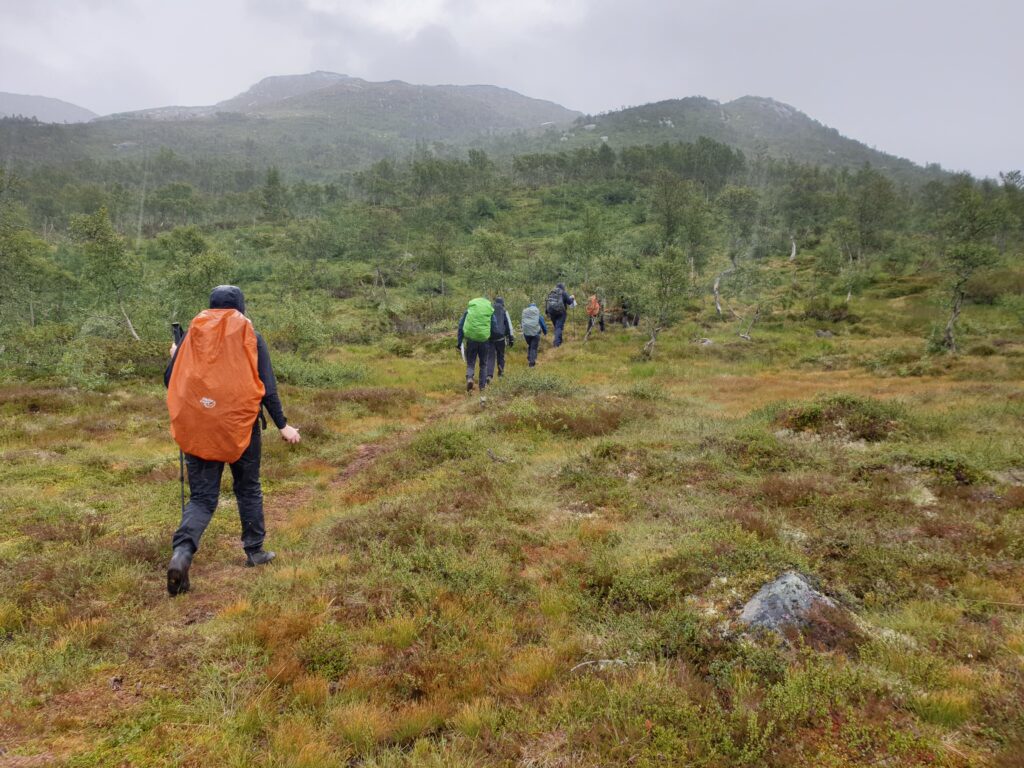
x=115 y=249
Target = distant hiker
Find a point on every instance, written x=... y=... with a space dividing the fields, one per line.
x=595 y=313
x=503 y=333
x=476 y=327
x=218 y=382
x=556 y=306
x=532 y=325
x=626 y=316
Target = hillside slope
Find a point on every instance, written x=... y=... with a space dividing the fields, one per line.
x=758 y=126
x=323 y=123
x=43 y=108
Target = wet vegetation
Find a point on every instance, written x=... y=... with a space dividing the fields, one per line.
x=552 y=577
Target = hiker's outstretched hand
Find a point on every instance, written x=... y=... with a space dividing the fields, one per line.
x=290 y=434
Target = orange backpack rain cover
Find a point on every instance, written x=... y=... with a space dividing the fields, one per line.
x=593 y=307
x=215 y=391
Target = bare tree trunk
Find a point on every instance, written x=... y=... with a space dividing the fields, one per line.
x=717 y=285
x=31 y=314
x=792 y=252
x=746 y=334
x=142 y=207
x=128 y=322
x=948 y=338
x=648 y=351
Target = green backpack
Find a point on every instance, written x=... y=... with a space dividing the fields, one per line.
x=478 y=320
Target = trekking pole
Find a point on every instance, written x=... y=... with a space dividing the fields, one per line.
x=178 y=334
x=181 y=476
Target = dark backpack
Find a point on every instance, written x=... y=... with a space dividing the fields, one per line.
x=500 y=326
x=554 y=305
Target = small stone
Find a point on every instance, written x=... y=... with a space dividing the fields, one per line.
x=116 y=683
x=823 y=334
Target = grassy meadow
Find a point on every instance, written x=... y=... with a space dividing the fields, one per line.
x=548 y=579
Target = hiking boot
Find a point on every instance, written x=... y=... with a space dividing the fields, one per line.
x=262 y=557
x=177 y=571
x=469 y=385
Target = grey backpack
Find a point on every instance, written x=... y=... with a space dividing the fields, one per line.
x=531 y=321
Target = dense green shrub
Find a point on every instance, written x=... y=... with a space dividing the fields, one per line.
x=826 y=310
x=847 y=416
x=291 y=369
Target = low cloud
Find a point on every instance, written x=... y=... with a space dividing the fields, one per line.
x=934 y=85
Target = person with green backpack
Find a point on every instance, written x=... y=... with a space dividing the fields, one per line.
x=475 y=329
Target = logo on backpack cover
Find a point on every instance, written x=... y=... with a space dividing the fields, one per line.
x=207 y=402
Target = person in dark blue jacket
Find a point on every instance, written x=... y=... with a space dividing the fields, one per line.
x=204 y=476
x=501 y=334
x=557 y=306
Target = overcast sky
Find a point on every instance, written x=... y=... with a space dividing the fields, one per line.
x=931 y=80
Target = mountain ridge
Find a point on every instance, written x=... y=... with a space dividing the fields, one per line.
x=45 y=109
x=317 y=124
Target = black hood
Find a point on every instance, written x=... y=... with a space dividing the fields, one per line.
x=560 y=286
x=227 y=297
x=499 y=302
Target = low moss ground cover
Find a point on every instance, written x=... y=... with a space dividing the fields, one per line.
x=550 y=578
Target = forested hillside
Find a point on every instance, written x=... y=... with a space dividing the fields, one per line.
x=322 y=124
x=314 y=126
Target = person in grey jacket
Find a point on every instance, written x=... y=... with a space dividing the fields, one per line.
x=532 y=325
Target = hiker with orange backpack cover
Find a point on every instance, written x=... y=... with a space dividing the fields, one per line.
x=595 y=314
x=218 y=381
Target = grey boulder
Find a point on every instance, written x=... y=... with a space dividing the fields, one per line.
x=787 y=601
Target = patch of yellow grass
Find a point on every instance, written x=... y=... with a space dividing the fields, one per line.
x=924 y=619
x=310 y=691
x=948 y=708
x=361 y=724
x=528 y=670
x=554 y=605
x=235 y=609
x=397 y=632
x=596 y=531
x=988 y=590
x=1015 y=642
x=418 y=719
x=11 y=617
x=476 y=716
x=296 y=743
x=85 y=633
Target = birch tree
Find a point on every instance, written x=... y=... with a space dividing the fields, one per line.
x=112 y=270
